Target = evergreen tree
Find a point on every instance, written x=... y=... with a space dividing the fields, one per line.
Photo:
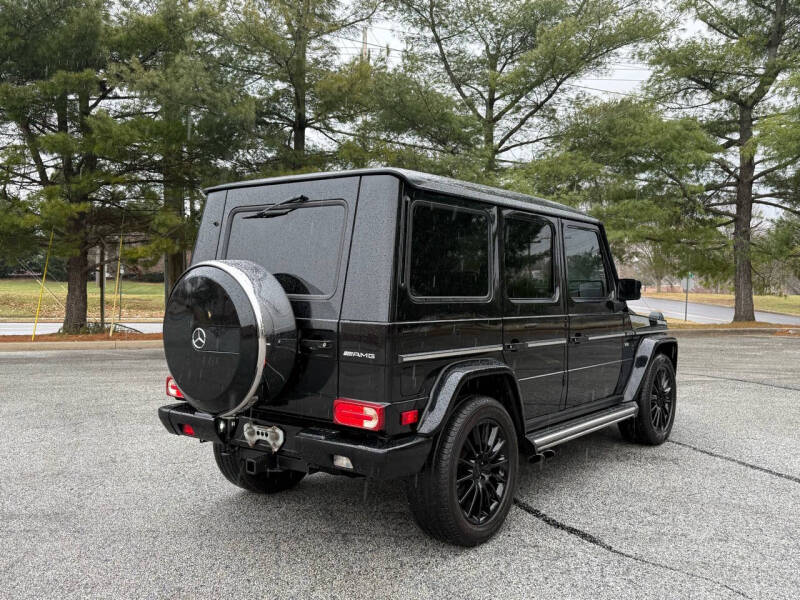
x=288 y=53
x=54 y=59
x=188 y=116
x=510 y=63
x=727 y=74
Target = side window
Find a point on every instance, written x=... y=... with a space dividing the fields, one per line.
x=449 y=251
x=586 y=275
x=529 y=258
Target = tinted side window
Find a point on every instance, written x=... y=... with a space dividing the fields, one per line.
x=529 y=258
x=449 y=251
x=586 y=275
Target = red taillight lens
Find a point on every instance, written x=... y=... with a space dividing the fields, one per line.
x=409 y=417
x=172 y=388
x=355 y=413
x=187 y=429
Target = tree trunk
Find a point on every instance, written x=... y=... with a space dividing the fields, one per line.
x=488 y=145
x=743 y=279
x=77 y=278
x=299 y=84
x=174 y=192
x=174 y=266
x=101 y=274
x=77 y=263
x=488 y=120
x=174 y=262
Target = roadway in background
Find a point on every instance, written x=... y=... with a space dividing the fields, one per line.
x=44 y=328
x=704 y=313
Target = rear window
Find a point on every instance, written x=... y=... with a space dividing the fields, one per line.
x=302 y=248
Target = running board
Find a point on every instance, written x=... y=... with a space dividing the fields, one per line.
x=575 y=428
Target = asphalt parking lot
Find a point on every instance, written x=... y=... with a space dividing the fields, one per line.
x=97 y=500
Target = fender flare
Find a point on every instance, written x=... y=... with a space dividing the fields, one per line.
x=451 y=380
x=648 y=347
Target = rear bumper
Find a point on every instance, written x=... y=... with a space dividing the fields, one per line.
x=307 y=448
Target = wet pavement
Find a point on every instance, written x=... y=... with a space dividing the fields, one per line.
x=97 y=500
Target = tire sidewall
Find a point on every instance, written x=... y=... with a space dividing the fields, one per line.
x=479 y=409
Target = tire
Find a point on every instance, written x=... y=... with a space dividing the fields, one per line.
x=433 y=493
x=653 y=423
x=230 y=336
x=233 y=468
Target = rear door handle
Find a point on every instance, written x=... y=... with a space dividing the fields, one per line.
x=316 y=344
x=576 y=338
x=513 y=346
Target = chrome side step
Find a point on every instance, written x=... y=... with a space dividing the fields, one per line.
x=564 y=432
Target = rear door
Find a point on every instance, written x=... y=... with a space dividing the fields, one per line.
x=306 y=250
x=596 y=336
x=534 y=320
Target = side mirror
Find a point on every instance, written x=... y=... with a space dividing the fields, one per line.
x=629 y=289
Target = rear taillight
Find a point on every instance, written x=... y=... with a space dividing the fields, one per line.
x=356 y=413
x=187 y=429
x=172 y=388
x=409 y=417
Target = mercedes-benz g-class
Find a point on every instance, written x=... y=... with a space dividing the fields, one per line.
x=392 y=324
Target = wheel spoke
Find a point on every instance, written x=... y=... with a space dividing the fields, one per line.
x=497 y=464
x=471 y=446
x=475 y=435
x=493 y=495
x=472 y=503
x=481 y=502
x=497 y=448
x=664 y=380
x=493 y=432
x=464 y=497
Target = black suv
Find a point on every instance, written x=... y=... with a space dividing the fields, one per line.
x=387 y=323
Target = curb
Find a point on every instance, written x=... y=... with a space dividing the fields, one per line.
x=94 y=345
x=60 y=320
x=733 y=331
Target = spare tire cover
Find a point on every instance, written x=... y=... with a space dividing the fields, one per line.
x=228 y=327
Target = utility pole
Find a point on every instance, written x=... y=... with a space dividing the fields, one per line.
x=686 y=304
x=364 y=49
x=102 y=282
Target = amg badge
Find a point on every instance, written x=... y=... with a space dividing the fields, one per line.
x=354 y=354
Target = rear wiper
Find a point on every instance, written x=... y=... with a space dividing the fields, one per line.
x=281 y=208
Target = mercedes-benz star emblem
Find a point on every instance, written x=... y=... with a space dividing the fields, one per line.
x=199 y=338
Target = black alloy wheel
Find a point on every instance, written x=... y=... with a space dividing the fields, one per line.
x=482 y=471
x=661 y=400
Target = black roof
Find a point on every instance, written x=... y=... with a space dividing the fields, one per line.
x=436 y=184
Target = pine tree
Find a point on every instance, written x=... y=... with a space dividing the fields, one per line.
x=511 y=63
x=727 y=74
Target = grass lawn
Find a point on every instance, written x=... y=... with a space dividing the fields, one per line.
x=681 y=324
x=789 y=305
x=18 y=298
